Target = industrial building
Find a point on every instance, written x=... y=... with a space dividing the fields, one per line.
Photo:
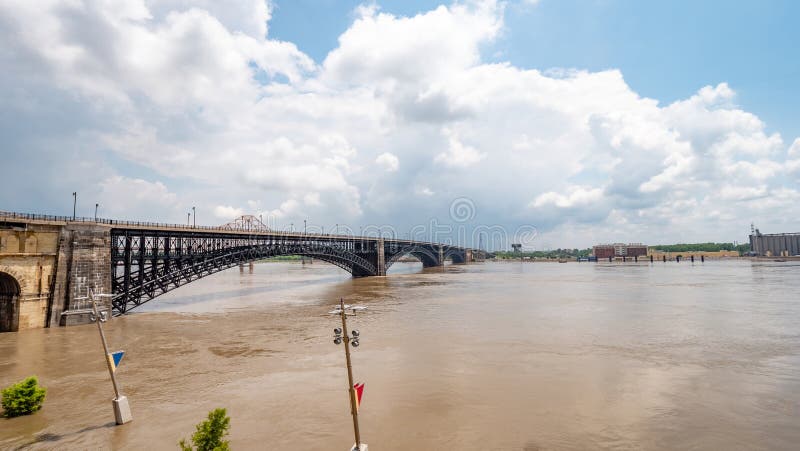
x=775 y=244
x=619 y=250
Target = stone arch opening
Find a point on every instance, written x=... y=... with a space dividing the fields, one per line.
x=9 y=303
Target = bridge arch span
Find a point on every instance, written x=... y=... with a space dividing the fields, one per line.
x=10 y=292
x=422 y=253
x=156 y=276
x=60 y=258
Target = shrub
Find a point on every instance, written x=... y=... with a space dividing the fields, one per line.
x=209 y=433
x=23 y=398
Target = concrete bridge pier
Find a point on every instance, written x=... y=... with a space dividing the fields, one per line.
x=380 y=263
x=45 y=267
x=84 y=254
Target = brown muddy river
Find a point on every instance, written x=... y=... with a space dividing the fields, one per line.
x=494 y=356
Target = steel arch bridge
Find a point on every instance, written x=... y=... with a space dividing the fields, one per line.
x=148 y=261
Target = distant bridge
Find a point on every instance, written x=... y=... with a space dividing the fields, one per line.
x=47 y=263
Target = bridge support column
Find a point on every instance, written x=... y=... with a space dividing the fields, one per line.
x=441 y=256
x=468 y=256
x=381 y=263
x=84 y=261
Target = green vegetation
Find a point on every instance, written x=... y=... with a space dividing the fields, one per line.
x=557 y=253
x=210 y=433
x=683 y=247
x=23 y=398
x=702 y=247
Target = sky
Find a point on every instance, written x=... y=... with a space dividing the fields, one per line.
x=555 y=123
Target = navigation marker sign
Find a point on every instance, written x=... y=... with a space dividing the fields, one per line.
x=114 y=358
x=359 y=392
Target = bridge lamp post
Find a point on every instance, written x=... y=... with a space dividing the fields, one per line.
x=96 y=206
x=74 y=203
x=122 y=410
x=194 y=217
x=188 y=218
x=339 y=336
x=305 y=232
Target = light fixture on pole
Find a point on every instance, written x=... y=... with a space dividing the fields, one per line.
x=188 y=218
x=122 y=410
x=194 y=217
x=305 y=232
x=355 y=390
x=96 y=206
x=74 y=203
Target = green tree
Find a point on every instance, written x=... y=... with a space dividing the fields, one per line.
x=210 y=433
x=23 y=398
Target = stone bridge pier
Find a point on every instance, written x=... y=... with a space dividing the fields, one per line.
x=46 y=268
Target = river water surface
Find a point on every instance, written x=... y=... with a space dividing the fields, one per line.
x=493 y=356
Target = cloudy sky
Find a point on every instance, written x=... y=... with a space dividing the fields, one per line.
x=590 y=121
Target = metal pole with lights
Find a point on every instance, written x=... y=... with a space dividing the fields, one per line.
x=339 y=336
x=194 y=217
x=122 y=410
x=74 y=203
x=96 y=206
x=305 y=232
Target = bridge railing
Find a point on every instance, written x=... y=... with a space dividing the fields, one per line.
x=39 y=217
x=6 y=215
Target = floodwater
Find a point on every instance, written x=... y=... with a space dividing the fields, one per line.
x=493 y=356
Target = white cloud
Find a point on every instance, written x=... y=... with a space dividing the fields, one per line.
x=133 y=198
x=739 y=193
x=389 y=162
x=577 y=196
x=196 y=95
x=794 y=150
x=423 y=191
x=312 y=199
x=458 y=154
x=227 y=213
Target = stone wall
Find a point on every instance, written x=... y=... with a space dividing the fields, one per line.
x=84 y=262
x=54 y=266
x=28 y=254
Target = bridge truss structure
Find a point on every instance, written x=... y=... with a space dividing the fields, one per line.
x=147 y=262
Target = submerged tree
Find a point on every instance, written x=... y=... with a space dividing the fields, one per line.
x=210 y=433
x=23 y=398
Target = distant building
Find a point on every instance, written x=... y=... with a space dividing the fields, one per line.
x=620 y=250
x=658 y=254
x=516 y=247
x=775 y=244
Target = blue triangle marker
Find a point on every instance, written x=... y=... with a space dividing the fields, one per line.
x=117 y=357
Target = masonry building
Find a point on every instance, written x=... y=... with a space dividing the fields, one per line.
x=620 y=250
